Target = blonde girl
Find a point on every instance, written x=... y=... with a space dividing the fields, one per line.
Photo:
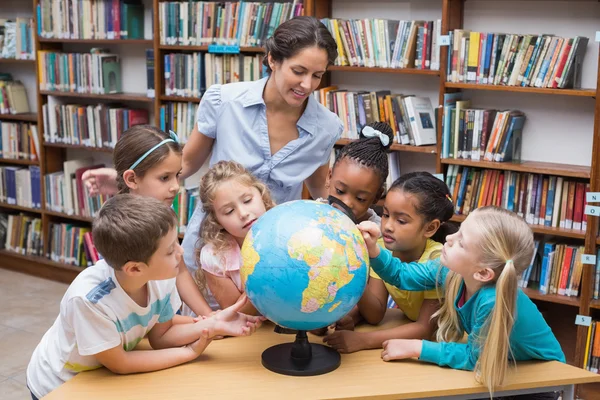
x=478 y=271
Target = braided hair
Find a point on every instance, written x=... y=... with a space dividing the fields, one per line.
x=370 y=152
x=434 y=201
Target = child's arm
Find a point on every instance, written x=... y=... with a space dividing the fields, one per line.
x=422 y=328
x=189 y=293
x=226 y=292
x=454 y=355
x=373 y=303
x=120 y=361
x=229 y=322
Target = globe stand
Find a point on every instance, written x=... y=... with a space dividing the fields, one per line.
x=300 y=358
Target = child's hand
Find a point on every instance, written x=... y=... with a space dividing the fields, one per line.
x=231 y=322
x=371 y=233
x=346 y=323
x=345 y=341
x=200 y=345
x=100 y=181
x=399 y=349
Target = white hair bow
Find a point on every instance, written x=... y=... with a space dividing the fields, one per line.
x=371 y=132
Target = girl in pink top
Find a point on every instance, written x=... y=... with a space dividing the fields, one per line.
x=232 y=199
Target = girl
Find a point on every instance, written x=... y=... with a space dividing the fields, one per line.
x=148 y=163
x=415 y=223
x=478 y=271
x=232 y=199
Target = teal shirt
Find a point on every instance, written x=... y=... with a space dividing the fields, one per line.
x=530 y=339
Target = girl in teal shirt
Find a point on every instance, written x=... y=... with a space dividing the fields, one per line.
x=478 y=272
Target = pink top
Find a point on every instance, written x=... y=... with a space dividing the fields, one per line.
x=225 y=264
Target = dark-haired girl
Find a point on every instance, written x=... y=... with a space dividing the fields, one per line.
x=414 y=225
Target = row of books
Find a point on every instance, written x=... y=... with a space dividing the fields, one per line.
x=178 y=117
x=66 y=193
x=387 y=43
x=227 y=23
x=555 y=269
x=98 y=125
x=411 y=117
x=20 y=141
x=515 y=60
x=184 y=205
x=71 y=244
x=97 y=72
x=21 y=234
x=591 y=358
x=16 y=38
x=98 y=19
x=480 y=134
x=13 y=96
x=21 y=186
x=540 y=199
x=596 y=277
x=189 y=75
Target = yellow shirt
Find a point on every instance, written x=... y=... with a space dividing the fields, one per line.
x=407 y=301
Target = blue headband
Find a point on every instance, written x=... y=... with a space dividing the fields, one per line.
x=173 y=138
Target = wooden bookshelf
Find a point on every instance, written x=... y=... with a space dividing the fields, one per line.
x=144 y=42
x=180 y=99
x=16 y=61
x=18 y=161
x=140 y=97
x=398 y=147
x=20 y=208
x=519 y=89
x=205 y=48
x=552 y=298
x=72 y=217
x=534 y=167
x=39 y=266
x=79 y=147
x=408 y=71
x=23 y=117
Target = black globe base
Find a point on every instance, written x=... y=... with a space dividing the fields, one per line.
x=300 y=358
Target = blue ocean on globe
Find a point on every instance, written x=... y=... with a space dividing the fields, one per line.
x=305 y=265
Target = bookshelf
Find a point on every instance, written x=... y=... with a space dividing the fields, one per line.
x=454 y=14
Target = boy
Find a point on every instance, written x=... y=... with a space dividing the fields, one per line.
x=129 y=294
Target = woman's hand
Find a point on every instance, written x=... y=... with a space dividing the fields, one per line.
x=100 y=181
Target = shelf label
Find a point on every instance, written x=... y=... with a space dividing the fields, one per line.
x=224 y=49
x=588 y=259
x=598 y=36
x=592 y=210
x=592 y=197
x=444 y=40
x=583 y=320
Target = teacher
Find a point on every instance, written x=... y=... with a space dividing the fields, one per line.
x=272 y=126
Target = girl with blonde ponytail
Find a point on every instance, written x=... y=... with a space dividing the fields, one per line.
x=478 y=271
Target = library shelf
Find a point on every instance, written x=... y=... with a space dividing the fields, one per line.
x=181 y=99
x=16 y=61
x=20 y=208
x=23 y=117
x=535 y=167
x=79 y=146
x=543 y=230
x=181 y=47
x=502 y=88
x=141 y=97
x=39 y=266
x=408 y=71
x=18 y=161
x=148 y=42
x=552 y=298
x=595 y=304
x=398 y=147
x=73 y=217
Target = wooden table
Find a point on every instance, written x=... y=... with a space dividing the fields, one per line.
x=231 y=368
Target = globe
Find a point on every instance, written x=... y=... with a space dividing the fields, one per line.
x=305 y=265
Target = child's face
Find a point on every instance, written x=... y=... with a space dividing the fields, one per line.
x=460 y=253
x=355 y=185
x=403 y=229
x=237 y=207
x=165 y=261
x=160 y=181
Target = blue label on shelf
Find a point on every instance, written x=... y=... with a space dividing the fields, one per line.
x=224 y=49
